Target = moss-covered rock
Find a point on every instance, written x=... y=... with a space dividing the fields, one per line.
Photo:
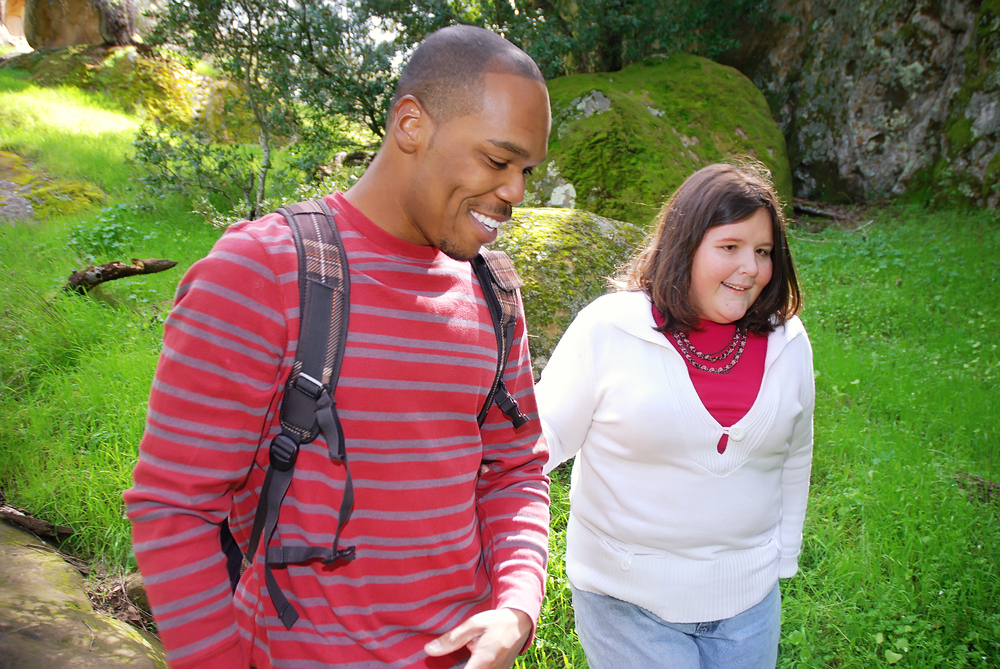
x=46 y=619
x=565 y=257
x=622 y=142
x=157 y=87
x=46 y=195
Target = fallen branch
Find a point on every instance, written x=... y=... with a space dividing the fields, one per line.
x=801 y=207
x=36 y=525
x=982 y=489
x=83 y=280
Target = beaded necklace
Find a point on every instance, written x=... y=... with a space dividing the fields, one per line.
x=689 y=351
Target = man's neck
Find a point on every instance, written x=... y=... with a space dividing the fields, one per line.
x=381 y=204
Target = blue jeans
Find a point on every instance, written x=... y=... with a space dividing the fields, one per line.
x=618 y=635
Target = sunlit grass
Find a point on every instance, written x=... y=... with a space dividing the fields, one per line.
x=69 y=132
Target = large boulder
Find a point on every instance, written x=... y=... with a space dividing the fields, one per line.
x=46 y=619
x=564 y=257
x=622 y=142
x=885 y=98
x=54 y=23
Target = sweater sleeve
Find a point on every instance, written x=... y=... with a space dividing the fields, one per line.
x=567 y=393
x=513 y=493
x=796 y=470
x=214 y=384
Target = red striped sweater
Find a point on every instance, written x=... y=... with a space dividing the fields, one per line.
x=449 y=519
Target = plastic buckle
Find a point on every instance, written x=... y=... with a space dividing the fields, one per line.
x=307 y=385
x=283 y=452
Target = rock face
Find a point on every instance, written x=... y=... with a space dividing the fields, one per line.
x=12 y=23
x=564 y=257
x=622 y=142
x=55 y=23
x=47 y=621
x=883 y=98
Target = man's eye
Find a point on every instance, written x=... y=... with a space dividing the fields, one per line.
x=496 y=164
x=528 y=171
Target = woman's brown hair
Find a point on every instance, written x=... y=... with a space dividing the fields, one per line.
x=714 y=195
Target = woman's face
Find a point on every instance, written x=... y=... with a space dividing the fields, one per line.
x=731 y=267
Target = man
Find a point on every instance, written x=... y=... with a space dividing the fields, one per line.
x=450 y=520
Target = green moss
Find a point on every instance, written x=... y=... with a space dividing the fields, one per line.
x=991 y=178
x=668 y=117
x=565 y=257
x=48 y=196
x=60 y=198
x=959 y=133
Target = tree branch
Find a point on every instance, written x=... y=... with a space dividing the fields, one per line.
x=83 y=280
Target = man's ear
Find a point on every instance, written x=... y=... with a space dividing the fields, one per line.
x=411 y=125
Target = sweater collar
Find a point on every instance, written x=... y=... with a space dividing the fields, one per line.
x=635 y=317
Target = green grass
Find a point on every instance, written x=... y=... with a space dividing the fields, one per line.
x=75 y=371
x=899 y=565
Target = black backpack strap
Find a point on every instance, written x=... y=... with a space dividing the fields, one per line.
x=500 y=283
x=308 y=407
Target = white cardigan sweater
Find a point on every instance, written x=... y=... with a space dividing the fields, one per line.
x=658 y=517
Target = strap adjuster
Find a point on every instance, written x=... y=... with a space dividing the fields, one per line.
x=341 y=554
x=283 y=452
x=307 y=385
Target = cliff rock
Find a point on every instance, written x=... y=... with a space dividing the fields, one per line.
x=885 y=98
x=54 y=23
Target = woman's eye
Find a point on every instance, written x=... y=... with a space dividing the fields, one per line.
x=764 y=252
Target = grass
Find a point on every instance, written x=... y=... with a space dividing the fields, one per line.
x=899 y=565
x=75 y=371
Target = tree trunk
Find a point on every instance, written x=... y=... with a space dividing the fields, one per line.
x=117 y=21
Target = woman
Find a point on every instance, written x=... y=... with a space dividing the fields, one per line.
x=687 y=398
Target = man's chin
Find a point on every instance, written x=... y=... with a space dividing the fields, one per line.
x=456 y=252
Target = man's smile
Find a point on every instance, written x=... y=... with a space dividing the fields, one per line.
x=488 y=221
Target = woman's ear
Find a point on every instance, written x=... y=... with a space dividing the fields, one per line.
x=410 y=124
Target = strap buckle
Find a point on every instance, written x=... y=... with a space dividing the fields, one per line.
x=307 y=385
x=283 y=452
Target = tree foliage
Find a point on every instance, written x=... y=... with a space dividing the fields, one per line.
x=297 y=66
x=571 y=36
x=301 y=64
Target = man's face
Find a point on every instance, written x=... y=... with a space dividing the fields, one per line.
x=473 y=168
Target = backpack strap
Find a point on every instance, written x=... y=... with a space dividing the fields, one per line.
x=500 y=283
x=307 y=407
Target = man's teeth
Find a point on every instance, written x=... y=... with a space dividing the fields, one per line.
x=489 y=222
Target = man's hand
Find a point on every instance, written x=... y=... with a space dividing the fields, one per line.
x=494 y=638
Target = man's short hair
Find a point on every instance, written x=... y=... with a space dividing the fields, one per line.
x=446 y=71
